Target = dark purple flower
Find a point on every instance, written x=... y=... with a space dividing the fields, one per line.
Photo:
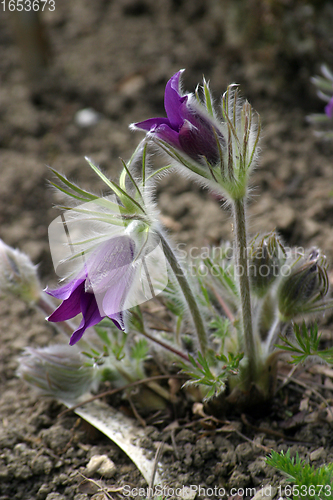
x=329 y=109
x=100 y=288
x=185 y=128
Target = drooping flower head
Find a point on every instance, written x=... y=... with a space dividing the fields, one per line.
x=108 y=251
x=100 y=289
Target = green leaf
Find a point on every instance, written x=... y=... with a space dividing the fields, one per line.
x=159 y=171
x=84 y=194
x=103 y=335
x=68 y=193
x=140 y=350
x=126 y=199
x=316 y=484
x=208 y=99
x=176 y=156
x=131 y=178
x=306 y=344
x=223 y=275
x=201 y=373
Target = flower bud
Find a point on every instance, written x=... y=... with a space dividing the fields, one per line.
x=223 y=152
x=189 y=127
x=304 y=289
x=18 y=275
x=266 y=257
x=59 y=371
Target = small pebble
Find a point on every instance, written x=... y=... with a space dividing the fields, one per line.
x=318 y=454
x=101 y=464
x=55 y=496
x=86 y=117
x=265 y=493
x=189 y=493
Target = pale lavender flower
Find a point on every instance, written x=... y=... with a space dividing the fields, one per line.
x=100 y=288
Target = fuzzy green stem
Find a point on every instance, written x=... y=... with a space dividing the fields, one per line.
x=244 y=286
x=188 y=294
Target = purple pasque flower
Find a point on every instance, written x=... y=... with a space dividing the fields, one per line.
x=329 y=108
x=186 y=127
x=100 y=288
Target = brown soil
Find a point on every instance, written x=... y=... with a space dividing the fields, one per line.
x=115 y=57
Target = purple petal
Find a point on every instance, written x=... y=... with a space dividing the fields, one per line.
x=118 y=320
x=115 y=295
x=70 y=307
x=329 y=109
x=151 y=124
x=198 y=143
x=173 y=101
x=168 y=135
x=109 y=262
x=91 y=316
x=198 y=135
x=108 y=272
x=66 y=290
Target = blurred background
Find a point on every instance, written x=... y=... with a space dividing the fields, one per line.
x=74 y=76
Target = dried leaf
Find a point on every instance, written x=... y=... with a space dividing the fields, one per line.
x=122 y=430
x=322 y=370
x=304 y=404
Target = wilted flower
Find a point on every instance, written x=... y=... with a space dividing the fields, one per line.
x=18 y=275
x=304 y=289
x=100 y=288
x=58 y=370
x=188 y=128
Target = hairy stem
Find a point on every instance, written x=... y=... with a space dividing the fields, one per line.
x=244 y=286
x=188 y=294
x=272 y=334
x=166 y=346
x=163 y=344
